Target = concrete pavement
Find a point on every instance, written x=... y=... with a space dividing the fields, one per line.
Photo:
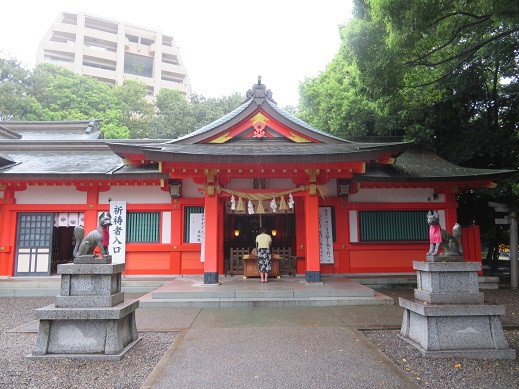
x=273 y=347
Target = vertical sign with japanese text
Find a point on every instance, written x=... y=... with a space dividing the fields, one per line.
x=197 y=231
x=325 y=234
x=117 y=247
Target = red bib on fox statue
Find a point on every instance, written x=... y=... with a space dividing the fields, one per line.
x=437 y=236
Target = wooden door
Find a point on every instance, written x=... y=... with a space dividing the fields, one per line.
x=33 y=244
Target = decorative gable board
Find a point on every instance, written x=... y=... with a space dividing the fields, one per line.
x=259 y=125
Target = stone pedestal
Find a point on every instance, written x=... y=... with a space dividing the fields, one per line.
x=90 y=318
x=449 y=317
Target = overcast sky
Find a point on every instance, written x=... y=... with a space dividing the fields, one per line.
x=225 y=44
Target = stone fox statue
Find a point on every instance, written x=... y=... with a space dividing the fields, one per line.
x=451 y=243
x=85 y=245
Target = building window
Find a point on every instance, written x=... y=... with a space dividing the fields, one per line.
x=143 y=227
x=138 y=65
x=192 y=216
x=393 y=226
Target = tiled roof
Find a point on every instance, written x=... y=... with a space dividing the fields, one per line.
x=53 y=130
x=270 y=151
x=64 y=162
x=420 y=164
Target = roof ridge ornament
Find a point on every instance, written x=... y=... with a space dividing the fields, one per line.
x=260 y=92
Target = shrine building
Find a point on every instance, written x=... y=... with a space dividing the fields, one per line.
x=194 y=205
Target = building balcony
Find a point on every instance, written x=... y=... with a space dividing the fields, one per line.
x=97 y=34
x=175 y=86
x=105 y=55
x=98 y=72
x=70 y=28
x=136 y=48
x=171 y=50
x=147 y=80
x=175 y=69
x=58 y=47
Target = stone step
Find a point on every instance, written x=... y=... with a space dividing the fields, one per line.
x=50 y=286
x=226 y=302
x=236 y=294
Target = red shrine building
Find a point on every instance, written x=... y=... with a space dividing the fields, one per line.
x=194 y=205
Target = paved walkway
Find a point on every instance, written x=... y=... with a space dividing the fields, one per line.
x=273 y=347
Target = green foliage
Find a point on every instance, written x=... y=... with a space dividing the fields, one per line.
x=177 y=117
x=13 y=91
x=52 y=93
x=432 y=71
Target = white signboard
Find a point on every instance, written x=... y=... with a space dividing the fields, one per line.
x=325 y=234
x=117 y=246
x=197 y=231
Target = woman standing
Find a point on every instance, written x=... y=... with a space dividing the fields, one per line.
x=263 y=242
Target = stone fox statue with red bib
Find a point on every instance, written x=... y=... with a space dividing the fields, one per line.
x=451 y=243
x=85 y=245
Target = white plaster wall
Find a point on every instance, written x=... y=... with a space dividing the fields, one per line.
x=50 y=195
x=396 y=195
x=331 y=188
x=354 y=233
x=136 y=195
x=190 y=189
x=166 y=227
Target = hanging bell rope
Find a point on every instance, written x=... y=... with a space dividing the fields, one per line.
x=260 y=209
x=267 y=196
x=283 y=204
x=240 y=207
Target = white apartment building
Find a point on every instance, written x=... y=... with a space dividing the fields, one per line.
x=113 y=51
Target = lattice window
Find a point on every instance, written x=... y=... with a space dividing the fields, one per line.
x=389 y=226
x=143 y=227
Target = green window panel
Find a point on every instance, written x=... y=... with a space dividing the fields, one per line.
x=187 y=220
x=143 y=227
x=391 y=226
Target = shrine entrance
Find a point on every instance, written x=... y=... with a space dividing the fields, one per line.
x=240 y=238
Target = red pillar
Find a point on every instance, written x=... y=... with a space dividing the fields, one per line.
x=91 y=219
x=7 y=234
x=211 y=240
x=313 y=265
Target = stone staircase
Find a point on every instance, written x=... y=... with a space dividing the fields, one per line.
x=50 y=286
x=236 y=292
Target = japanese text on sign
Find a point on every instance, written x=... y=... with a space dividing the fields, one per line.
x=117 y=247
x=325 y=234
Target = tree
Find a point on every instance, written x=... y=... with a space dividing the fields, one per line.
x=54 y=93
x=434 y=72
x=15 y=103
x=176 y=116
x=136 y=110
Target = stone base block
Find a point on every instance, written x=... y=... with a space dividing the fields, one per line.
x=89 y=268
x=90 y=280
x=464 y=353
x=101 y=357
x=448 y=277
x=444 y=258
x=462 y=329
x=449 y=298
x=97 y=301
x=92 y=259
x=91 y=331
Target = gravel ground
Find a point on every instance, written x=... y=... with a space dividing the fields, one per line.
x=19 y=372
x=455 y=372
